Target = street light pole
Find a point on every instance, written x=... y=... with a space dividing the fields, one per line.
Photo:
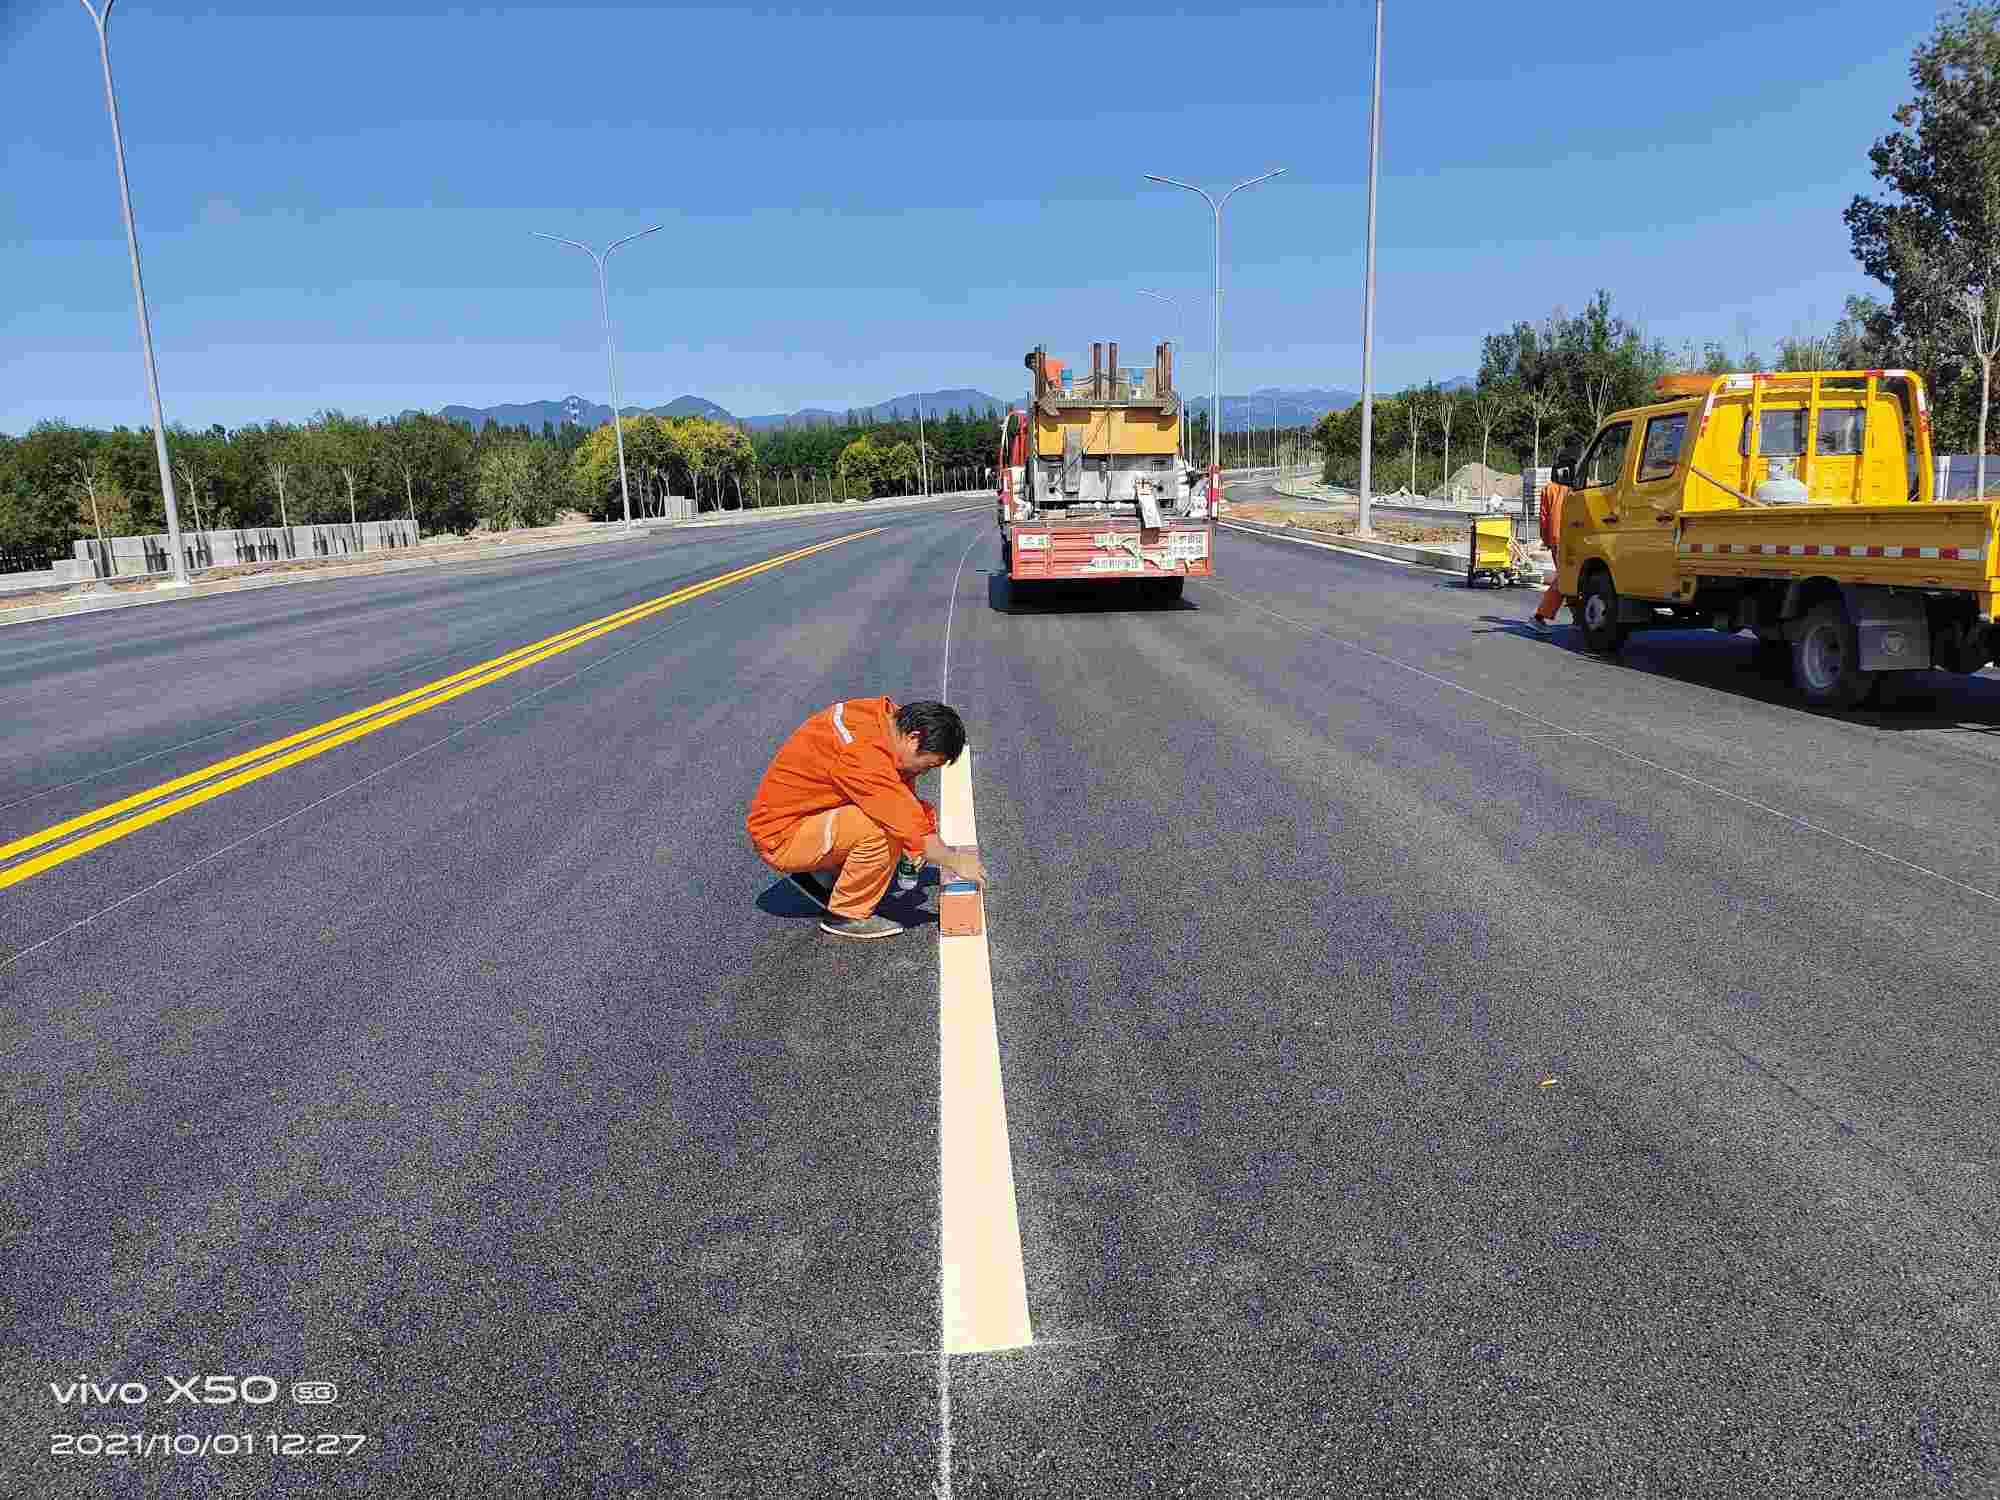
x=1215 y=430
x=923 y=452
x=1181 y=312
x=102 y=21
x=610 y=351
x=1368 y=300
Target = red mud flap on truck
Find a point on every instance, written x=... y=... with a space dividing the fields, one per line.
x=1109 y=552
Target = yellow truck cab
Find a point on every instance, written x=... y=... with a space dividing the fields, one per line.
x=1798 y=506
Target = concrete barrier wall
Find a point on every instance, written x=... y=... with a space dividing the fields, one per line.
x=131 y=556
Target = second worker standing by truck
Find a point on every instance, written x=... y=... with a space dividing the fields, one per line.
x=1551 y=523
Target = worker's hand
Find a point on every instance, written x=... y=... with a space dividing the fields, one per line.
x=964 y=864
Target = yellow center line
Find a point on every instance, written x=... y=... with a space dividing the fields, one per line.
x=307 y=743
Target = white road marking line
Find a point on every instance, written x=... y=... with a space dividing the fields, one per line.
x=983 y=1290
x=1401 y=562
x=1651 y=765
x=944 y=676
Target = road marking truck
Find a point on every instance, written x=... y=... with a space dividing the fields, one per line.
x=1092 y=484
x=1798 y=506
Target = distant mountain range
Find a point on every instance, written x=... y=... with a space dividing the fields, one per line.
x=592 y=414
x=1280 y=406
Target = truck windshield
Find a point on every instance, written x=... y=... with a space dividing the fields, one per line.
x=1606 y=458
x=1662 y=453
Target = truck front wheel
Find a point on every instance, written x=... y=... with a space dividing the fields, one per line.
x=1599 y=615
x=1826 y=659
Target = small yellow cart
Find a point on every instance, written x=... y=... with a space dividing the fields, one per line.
x=1492 y=558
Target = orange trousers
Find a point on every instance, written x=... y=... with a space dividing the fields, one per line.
x=1552 y=597
x=845 y=839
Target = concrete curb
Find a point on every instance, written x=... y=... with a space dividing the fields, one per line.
x=1442 y=559
x=610 y=531
x=1402 y=507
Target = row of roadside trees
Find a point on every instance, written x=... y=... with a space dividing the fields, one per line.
x=1544 y=386
x=60 y=482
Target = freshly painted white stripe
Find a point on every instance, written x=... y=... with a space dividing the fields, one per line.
x=942 y=1489
x=983 y=1288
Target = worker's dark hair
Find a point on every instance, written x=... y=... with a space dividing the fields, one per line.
x=938 y=728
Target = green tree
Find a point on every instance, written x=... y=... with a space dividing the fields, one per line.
x=522 y=483
x=1933 y=238
x=431 y=460
x=859 y=467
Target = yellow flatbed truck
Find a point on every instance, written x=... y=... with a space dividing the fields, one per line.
x=1797 y=506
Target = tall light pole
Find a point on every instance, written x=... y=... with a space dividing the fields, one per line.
x=610 y=352
x=923 y=452
x=1175 y=304
x=1368 y=297
x=102 y=21
x=1215 y=427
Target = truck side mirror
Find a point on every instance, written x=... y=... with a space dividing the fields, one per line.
x=1564 y=475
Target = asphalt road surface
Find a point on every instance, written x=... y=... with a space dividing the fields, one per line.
x=1436 y=1061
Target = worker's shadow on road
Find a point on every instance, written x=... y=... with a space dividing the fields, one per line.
x=1007 y=596
x=914 y=908
x=1728 y=664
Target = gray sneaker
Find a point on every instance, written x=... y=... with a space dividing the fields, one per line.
x=861 y=927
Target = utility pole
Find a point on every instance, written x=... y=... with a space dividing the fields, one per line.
x=1215 y=432
x=179 y=580
x=611 y=353
x=1368 y=297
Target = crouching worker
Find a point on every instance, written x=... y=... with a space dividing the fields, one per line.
x=840 y=800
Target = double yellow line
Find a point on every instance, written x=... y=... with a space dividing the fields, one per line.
x=109 y=823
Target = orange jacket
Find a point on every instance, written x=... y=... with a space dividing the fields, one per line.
x=843 y=755
x=1552 y=504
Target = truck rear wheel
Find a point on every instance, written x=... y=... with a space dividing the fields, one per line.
x=1599 y=615
x=1826 y=659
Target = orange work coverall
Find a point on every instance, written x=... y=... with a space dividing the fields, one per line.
x=1552 y=501
x=833 y=799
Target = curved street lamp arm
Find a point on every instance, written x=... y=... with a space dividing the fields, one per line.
x=628 y=239
x=573 y=244
x=101 y=18
x=1176 y=182
x=1274 y=172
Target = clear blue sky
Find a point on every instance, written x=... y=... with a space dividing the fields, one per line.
x=334 y=201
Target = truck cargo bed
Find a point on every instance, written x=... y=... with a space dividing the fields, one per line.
x=1949 y=545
